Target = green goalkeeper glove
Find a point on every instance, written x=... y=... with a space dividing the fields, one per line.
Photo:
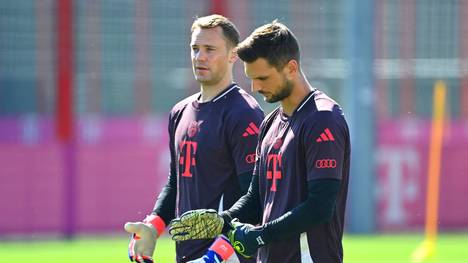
x=196 y=224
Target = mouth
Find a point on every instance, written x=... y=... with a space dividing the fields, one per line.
x=201 y=68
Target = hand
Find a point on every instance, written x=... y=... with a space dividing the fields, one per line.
x=196 y=224
x=246 y=238
x=220 y=251
x=143 y=242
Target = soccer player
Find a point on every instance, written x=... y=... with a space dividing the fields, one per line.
x=213 y=137
x=297 y=197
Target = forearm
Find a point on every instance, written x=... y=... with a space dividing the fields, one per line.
x=247 y=208
x=165 y=203
x=244 y=181
x=317 y=209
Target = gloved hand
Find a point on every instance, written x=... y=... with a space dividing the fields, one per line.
x=145 y=234
x=246 y=238
x=196 y=224
x=220 y=251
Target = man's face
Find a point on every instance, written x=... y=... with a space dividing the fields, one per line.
x=268 y=81
x=210 y=55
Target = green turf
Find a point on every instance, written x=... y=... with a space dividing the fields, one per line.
x=358 y=249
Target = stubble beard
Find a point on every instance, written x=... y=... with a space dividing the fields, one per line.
x=284 y=92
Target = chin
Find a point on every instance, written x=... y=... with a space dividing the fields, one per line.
x=271 y=99
x=202 y=79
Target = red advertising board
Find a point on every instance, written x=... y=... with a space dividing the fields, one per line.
x=402 y=168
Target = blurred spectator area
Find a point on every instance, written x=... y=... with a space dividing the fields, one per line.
x=131 y=63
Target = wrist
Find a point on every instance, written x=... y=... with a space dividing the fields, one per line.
x=222 y=247
x=157 y=222
x=227 y=222
x=257 y=235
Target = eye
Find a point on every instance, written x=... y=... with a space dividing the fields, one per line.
x=262 y=78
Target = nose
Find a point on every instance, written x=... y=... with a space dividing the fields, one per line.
x=199 y=55
x=255 y=86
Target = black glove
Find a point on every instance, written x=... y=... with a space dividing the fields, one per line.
x=246 y=238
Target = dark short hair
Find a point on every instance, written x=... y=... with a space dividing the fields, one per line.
x=230 y=31
x=274 y=42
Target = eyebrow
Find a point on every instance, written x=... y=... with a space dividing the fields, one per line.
x=192 y=45
x=257 y=77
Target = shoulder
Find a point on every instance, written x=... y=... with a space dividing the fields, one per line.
x=179 y=106
x=269 y=118
x=239 y=101
x=323 y=102
x=241 y=98
x=272 y=114
x=326 y=110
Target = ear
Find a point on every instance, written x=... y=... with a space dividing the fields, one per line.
x=233 y=55
x=291 y=68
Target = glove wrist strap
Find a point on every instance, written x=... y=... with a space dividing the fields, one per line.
x=222 y=247
x=157 y=222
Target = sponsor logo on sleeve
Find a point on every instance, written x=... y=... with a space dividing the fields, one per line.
x=325 y=136
x=325 y=163
x=251 y=130
x=251 y=158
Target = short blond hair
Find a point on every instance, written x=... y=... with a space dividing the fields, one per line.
x=230 y=31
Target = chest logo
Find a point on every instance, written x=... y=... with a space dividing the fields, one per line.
x=274 y=169
x=188 y=149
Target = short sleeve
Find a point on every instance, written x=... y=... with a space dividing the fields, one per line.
x=324 y=143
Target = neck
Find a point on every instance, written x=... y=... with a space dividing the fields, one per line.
x=301 y=88
x=208 y=92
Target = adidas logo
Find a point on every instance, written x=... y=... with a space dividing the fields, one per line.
x=326 y=135
x=251 y=130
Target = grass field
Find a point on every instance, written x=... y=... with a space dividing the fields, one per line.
x=451 y=248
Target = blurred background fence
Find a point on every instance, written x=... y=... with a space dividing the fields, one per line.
x=125 y=63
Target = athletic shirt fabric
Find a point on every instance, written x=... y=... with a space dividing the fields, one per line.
x=308 y=145
x=211 y=144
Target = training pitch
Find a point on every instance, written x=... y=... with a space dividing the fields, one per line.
x=451 y=248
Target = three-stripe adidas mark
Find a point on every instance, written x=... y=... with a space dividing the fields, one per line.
x=251 y=130
x=326 y=135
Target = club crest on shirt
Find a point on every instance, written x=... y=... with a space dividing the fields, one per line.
x=278 y=143
x=194 y=128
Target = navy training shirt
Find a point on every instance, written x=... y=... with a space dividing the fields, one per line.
x=311 y=144
x=211 y=144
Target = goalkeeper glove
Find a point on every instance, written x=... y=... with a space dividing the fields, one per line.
x=196 y=224
x=246 y=238
x=220 y=251
x=143 y=241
